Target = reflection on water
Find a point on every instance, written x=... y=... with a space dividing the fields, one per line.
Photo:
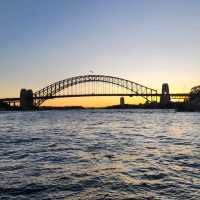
x=99 y=154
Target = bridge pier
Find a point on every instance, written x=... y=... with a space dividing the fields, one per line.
x=122 y=101
x=165 y=98
x=26 y=99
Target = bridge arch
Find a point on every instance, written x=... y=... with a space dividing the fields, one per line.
x=51 y=90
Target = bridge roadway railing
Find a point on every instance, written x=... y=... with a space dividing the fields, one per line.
x=182 y=96
x=173 y=96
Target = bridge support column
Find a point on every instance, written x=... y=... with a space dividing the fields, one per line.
x=165 y=98
x=26 y=99
x=122 y=101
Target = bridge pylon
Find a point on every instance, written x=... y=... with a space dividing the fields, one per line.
x=165 y=98
x=26 y=99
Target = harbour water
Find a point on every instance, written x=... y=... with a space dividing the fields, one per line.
x=99 y=154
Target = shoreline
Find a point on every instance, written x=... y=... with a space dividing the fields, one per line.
x=179 y=107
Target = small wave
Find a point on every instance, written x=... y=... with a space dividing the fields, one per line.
x=26 y=190
x=154 y=176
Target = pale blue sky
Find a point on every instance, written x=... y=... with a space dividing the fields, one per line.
x=146 y=41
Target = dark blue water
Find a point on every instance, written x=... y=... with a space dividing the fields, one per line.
x=100 y=154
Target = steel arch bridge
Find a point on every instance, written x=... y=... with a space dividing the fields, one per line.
x=114 y=83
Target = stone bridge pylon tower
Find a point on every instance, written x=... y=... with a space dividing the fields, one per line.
x=165 y=98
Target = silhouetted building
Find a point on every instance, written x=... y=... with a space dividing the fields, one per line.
x=3 y=105
x=26 y=99
x=165 y=98
x=122 y=102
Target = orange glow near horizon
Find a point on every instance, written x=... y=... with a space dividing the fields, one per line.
x=100 y=101
x=91 y=101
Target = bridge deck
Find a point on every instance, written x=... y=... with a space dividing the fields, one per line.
x=173 y=96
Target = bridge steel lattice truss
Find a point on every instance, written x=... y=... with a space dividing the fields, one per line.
x=132 y=88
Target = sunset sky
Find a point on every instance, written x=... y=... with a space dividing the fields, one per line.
x=146 y=41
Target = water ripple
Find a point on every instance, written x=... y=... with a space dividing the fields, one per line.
x=100 y=154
